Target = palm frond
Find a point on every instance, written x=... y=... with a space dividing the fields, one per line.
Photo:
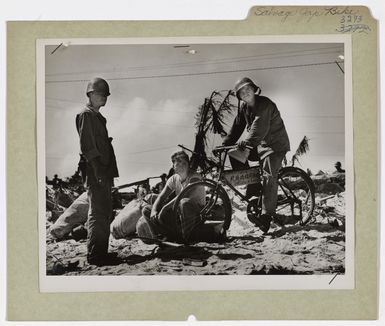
x=219 y=107
x=198 y=158
x=302 y=149
x=217 y=122
x=210 y=118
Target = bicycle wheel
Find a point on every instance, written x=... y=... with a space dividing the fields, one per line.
x=217 y=207
x=296 y=195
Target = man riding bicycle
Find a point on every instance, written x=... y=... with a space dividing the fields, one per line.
x=265 y=127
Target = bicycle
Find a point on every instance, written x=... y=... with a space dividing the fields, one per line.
x=296 y=190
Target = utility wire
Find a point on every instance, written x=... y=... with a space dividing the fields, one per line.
x=148 y=163
x=194 y=111
x=130 y=153
x=318 y=132
x=312 y=116
x=199 y=73
x=151 y=150
x=114 y=106
x=339 y=67
x=219 y=61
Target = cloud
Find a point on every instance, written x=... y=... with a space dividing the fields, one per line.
x=145 y=135
x=175 y=105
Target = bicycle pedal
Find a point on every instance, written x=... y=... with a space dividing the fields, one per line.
x=278 y=221
x=252 y=218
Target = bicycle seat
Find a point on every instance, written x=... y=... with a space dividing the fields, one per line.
x=264 y=151
x=220 y=149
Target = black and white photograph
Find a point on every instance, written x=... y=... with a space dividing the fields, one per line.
x=195 y=163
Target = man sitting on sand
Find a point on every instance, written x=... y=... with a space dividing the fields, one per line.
x=161 y=218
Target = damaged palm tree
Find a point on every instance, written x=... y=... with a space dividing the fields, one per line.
x=303 y=148
x=210 y=118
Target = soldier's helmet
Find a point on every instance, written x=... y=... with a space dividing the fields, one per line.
x=98 y=85
x=245 y=81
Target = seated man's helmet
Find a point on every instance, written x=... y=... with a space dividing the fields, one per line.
x=98 y=85
x=244 y=82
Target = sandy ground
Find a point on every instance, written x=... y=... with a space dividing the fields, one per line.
x=317 y=248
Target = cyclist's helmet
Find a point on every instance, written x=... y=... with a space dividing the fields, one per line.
x=98 y=85
x=244 y=82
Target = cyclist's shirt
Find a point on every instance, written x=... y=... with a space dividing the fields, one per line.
x=198 y=194
x=263 y=123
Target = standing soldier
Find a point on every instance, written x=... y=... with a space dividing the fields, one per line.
x=100 y=169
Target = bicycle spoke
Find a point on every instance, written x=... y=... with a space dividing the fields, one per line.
x=217 y=205
x=295 y=189
x=307 y=197
x=281 y=208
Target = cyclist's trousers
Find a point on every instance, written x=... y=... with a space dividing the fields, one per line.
x=270 y=191
x=269 y=202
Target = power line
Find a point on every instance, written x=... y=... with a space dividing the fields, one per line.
x=142 y=122
x=312 y=116
x=159 y=124
x=218 y=61
x=199 y=73
x=195 y=111
x=116 y=106
x=149 y=163
x=138 y=152
x=318 y=132
x=151 y=150
x=326 y=155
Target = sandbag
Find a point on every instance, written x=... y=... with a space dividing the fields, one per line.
x=63 y=199
x=124 y=223
x=145 y=230
x=73 y=216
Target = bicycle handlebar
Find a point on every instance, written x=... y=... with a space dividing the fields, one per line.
x=217 y=149
x=227 y=148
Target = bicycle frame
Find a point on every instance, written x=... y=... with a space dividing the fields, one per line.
x=292 y=198
x=221 y=171
x=222 y=178
x=255 y=202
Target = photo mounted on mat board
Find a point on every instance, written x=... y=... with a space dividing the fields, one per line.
x=195 y=163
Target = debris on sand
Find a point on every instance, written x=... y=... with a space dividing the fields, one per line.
x=316 y=248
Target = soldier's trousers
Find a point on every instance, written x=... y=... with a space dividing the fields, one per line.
x=99 y=218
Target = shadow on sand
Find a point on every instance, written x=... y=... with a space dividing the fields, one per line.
x=324 y=228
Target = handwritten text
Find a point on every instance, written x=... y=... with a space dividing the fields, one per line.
x=349 y=18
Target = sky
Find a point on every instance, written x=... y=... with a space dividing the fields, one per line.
x=156 y=90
